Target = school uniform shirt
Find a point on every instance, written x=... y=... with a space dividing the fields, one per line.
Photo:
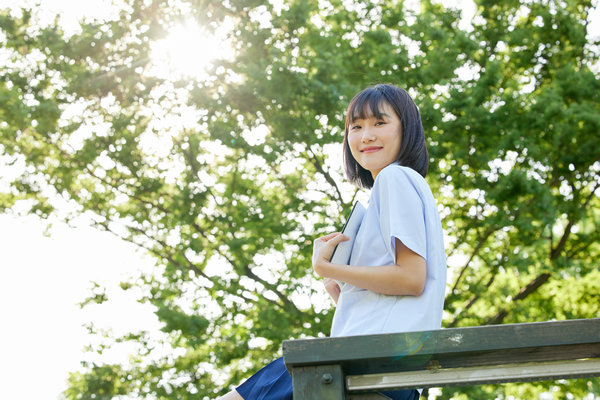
x=401 y=206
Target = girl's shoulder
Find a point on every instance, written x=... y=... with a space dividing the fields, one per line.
x=398 y=174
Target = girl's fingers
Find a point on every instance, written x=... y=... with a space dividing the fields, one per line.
x=326 y=238
x=331 y=236
x=339 y=239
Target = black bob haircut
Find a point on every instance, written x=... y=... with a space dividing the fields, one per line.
x=413 y=151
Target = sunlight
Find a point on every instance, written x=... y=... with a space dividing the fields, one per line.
x=189 y=51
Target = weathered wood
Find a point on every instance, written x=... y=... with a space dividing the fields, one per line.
x=324 y=382
x=503 y=346
x=522 y=372
x=498 y=344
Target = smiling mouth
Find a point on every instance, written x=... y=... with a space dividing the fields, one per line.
x=370 y=149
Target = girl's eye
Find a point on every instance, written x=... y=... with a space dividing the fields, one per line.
x=355 y=127
x=379 y=123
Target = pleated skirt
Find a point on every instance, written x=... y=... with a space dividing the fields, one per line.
x=274 y=382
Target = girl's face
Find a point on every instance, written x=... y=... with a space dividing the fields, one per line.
x=375 y=142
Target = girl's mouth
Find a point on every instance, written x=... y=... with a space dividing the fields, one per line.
x=370 y=149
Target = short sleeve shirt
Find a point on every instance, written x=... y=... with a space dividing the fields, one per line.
x=401 y=206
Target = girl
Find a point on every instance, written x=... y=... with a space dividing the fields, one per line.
x=397 y=274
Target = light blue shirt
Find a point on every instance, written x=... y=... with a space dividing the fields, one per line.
x=401 y=206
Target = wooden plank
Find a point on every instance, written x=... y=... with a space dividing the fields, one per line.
x=324 y=382
x=531 y=354
x=476 y=375
x=498 y=344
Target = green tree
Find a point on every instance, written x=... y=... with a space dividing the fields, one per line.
x=230 y=203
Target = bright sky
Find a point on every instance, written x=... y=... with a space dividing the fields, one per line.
x=42 y=279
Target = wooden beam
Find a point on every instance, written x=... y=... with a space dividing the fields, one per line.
x=347 y=367
x=476 y=375
x=450 y=348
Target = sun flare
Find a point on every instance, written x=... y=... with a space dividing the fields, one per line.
x=188 y=52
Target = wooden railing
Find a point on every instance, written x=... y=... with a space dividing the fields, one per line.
x=351 y=367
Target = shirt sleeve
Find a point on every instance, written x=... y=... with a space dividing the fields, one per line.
x=401 y=210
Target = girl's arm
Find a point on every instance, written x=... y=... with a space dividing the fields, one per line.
x=406 y=277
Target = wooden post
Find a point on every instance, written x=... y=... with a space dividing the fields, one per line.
x=323 y=382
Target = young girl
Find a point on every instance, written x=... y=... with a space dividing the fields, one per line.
x=396 y=278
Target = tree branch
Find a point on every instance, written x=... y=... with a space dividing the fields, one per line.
x=169 y=256
x=321 y=170
x=523 y=293
x=250 y=274
x=482 y=239
x=473 y=299
x=287 y=303
x=477 y=295
x=556 y=251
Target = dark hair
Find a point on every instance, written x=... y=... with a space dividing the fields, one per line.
x=413 y=152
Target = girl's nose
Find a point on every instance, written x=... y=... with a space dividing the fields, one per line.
x=367 y=136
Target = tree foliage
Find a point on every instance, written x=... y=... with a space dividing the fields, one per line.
x=230 y=202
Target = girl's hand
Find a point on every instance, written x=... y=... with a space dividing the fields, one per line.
x=323 y=249
x=332 y=288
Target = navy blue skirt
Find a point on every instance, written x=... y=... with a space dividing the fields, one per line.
x=274 y=382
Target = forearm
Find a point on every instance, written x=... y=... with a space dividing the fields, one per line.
x=387 y=279
x=406 y=277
